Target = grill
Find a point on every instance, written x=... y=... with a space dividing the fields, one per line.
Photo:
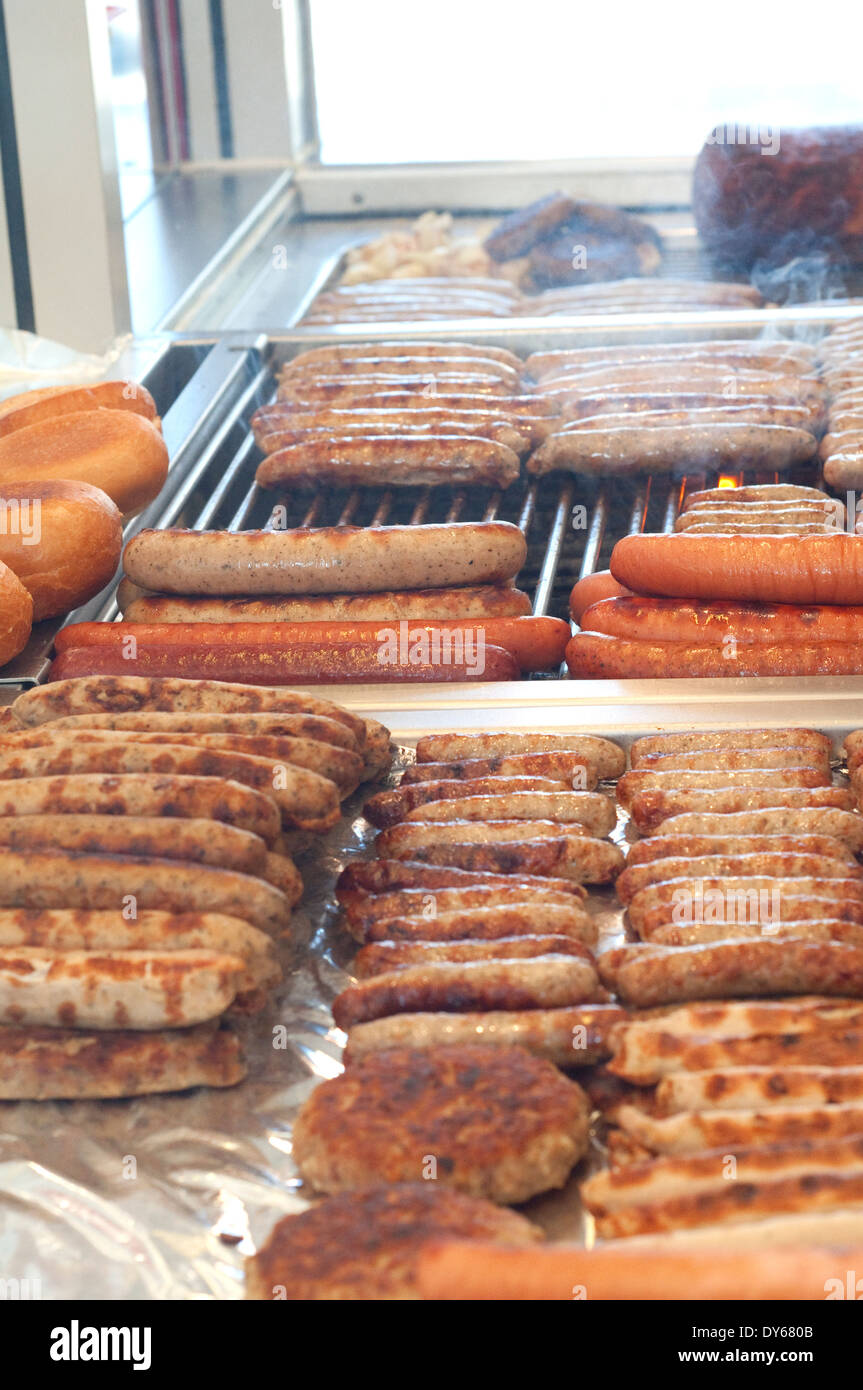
x=207 y=391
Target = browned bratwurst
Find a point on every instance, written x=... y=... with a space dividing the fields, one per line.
x=462 y=986
x=389 y=807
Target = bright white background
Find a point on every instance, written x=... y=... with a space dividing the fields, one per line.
x=426 y=80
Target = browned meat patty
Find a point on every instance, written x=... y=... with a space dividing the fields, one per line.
x=493 y=1122
x=364 y=1245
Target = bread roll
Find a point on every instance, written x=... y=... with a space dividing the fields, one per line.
x=63 y=541
x=32 y=406
x=16 y=615
x=115 y=450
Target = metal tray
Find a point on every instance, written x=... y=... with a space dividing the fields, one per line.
x=163 y=1197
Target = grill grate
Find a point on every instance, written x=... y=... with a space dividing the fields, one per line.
x=212 y=487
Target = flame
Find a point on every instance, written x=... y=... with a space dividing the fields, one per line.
x=728 y=480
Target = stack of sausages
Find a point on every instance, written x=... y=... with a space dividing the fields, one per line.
x=755 y=581
x=145 y=873
x=473 y=920
x=331 y=605
x=398 y=414
x=414 y=298
x=747 y=884
x=841 y=360
x=678 y=407
x=634 y=296
x=478 y=296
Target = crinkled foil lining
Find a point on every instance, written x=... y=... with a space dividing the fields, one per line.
x=164 y=1197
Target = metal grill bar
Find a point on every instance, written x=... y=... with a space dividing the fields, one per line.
x=595 y=537
x=559 y=528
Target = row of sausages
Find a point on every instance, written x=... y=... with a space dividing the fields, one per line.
x=473 y=919
x=146 y=872
x=737 y=1120
x=409 y=413
x=426 y=298
x=332 y=605
x=754 y=581
x=841 y=366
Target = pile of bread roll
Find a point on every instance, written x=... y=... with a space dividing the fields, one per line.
x=74 y=461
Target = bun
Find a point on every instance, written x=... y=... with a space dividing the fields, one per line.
x=62 y=540
x=115 y=450
x=33 y=406
x=16 y=615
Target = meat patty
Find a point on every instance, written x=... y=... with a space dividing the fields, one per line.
x=496 y=1123
x=364 y=1245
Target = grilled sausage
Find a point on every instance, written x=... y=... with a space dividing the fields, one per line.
x=569 y=770
x=484 y=923
x=643 y=779
x=569 y=1037
x=61 y=879
x=348 y=352
x=691 y=845
x=580 y=812
x=359 y=881
x=464 y=986
x=609 y=758
x=730 y=739
x=311 y=663
x=66 y=930
x=119 y=694
x=425 y=902
x=779 y=913
x=715 y=759
x=712 y=624
x=736 y=891
x=143 y=794
x=197 y=841
x=763 y=492
x=672 y=448
x=596 y=656
x=391 y=806
x=769 y=569
x=480 y=601
x=733 y=352
x=663 y=975
x=555 y=854
x=757 y=1086
x=107 y=989
x=816 y=929
x=651 y=808
x=404 y=460
x=308 y=727
x=639 y=876
x=72 y=1064
x=304 y=799
x=339 y=765
x=383 y=957
x=325 y=560
x=728 y=1129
